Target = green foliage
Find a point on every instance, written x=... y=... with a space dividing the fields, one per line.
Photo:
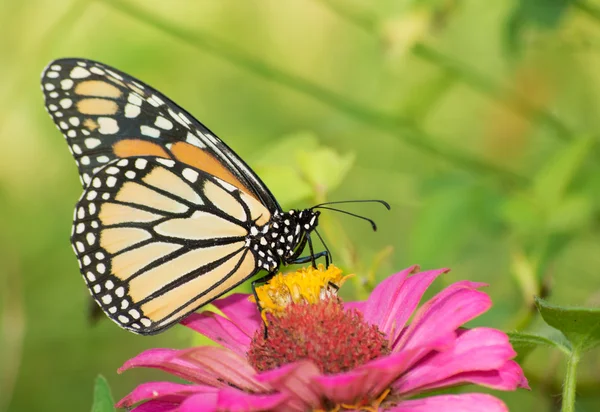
x=581 y=326
x=103 y=400
x=525 y=343
x=297 y=168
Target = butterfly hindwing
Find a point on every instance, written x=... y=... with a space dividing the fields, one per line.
x=106 y=114
x=156 y=239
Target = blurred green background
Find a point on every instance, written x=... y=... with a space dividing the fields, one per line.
x=477 y=120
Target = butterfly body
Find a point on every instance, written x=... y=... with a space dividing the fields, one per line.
x=170 y=217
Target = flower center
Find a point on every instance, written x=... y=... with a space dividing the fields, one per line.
x=306 y=320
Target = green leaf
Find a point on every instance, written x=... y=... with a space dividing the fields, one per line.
x=524 y=343
x=103 y=400
x=572 y=213
x=323 y=168
x=281 y=151
x=551 y=183
x=297 y=168
x=581 y=326
x=285 y=183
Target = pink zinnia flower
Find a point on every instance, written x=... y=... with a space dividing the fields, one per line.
x=322 y=354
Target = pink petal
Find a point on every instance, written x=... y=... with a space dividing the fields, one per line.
x=384 y=295
x=157 y=406
x=163 y=390
x=394 y=300
x=229 y=368
x=346 y=387
x=372 y=378
x=445 y=313
x=297 y=381
x=467 y=402
x=243 y=313
x=149 y=357
x=203 y=402
x=168 y=361
x=475 y=350
x=219 y=330
x=506 y=378
x=231 y=399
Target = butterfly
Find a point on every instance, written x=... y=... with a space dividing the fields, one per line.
x=170 y=217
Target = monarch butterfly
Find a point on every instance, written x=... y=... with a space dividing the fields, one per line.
x=170 y=217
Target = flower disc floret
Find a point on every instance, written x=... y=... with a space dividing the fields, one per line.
x=335 y=339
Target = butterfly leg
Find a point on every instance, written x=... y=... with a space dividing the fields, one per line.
x=296 y=259
x=312 y=258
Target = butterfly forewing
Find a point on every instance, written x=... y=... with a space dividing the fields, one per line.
x=106 y=114
x=156 y=239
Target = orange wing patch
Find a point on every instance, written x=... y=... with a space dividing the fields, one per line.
x=97 y=88
x=200 y=159
x=90 y=124
x=97 y=106
x=137 y=147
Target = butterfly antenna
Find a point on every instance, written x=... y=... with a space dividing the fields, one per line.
x=373 y=225
x=324 y=245
x=383 y=202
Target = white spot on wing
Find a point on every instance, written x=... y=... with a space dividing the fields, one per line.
x=66 y=84
x=66 y=103
x=190 y=175
x=131 y=110
x=111 y=181
x=79 y=73
x=141 y=163
x=155 y=101
x=108 y=125
x=193 y=140
x=149 y=131
x=97 y=70
x=163 y=123
x=92 y=142
x=115 y=75
x=166 y=162
x=134 y=99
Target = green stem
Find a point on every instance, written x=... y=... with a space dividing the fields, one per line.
x=403 y=128
x=570 y=383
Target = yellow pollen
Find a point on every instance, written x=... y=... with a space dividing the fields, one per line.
x=307 y=285
x=359 y=406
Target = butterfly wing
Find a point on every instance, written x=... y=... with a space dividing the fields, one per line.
x=106 y=114
x=156 y=239
x=159 y=230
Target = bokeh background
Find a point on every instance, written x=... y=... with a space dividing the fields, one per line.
x=477 y=120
